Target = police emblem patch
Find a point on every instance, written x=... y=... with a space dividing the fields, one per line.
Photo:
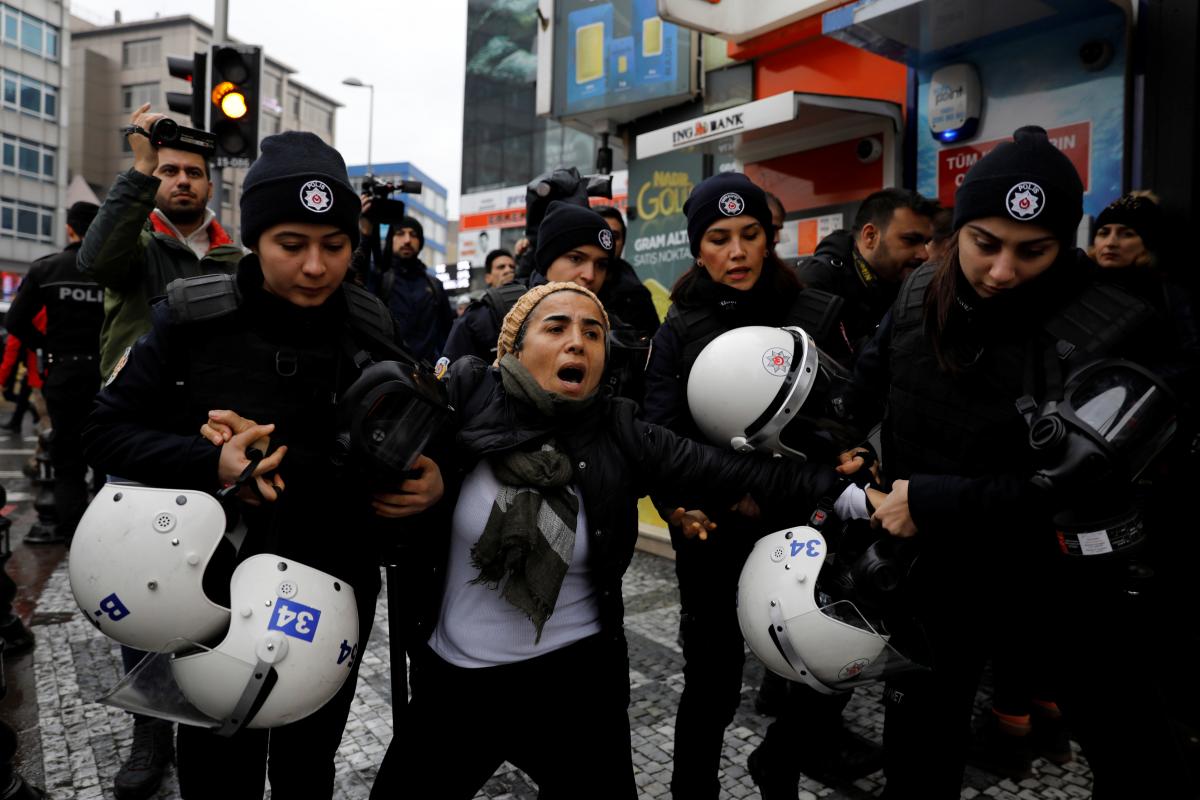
x=777 y=361
x=606 y=239
x=1025 y=201
x=854 y=668
x=316 y=196
x=120 y=365
x=731 y=204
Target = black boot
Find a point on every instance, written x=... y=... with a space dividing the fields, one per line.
x=16 y=637
x=153 y=749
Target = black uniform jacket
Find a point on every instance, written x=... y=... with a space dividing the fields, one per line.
x=74 y=307
x=269 y=361
x=832 y=268
x=958 y=437
x=617 y=458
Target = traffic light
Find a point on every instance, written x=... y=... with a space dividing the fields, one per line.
x=234 y=86
x=194 y=70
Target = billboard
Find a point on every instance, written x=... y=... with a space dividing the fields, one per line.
x=609 y=54
x=656 y=243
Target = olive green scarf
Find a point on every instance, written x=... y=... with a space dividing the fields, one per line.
x=529 y=538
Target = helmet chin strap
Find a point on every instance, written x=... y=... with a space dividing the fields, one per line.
x=257 y=690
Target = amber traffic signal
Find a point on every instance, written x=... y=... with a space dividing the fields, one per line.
x=234 y=102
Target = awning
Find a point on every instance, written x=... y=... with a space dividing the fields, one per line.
x=920 y=32
x=810 y=112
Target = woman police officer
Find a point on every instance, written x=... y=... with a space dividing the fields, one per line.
x=527 y=658
x=272 y=345
x=737 y=280
x=965 y=340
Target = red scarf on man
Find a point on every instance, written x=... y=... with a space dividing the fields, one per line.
x=216 y=234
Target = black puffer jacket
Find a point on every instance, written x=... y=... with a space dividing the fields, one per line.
x=617 y=458
x=627 y=298
x=832 y=268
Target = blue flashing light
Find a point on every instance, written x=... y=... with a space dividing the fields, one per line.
x=948 y=136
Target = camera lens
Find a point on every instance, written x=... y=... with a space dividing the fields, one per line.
x=164 y=131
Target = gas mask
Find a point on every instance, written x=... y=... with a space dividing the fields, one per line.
x=387 y=417
x=1113 y=419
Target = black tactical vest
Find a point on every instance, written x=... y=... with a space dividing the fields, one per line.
x=968 y=423
x=292 y=381
x=813 y=310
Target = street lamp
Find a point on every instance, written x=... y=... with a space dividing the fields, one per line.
x=370 y=118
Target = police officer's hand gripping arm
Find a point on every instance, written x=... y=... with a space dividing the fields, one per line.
x=413 y=496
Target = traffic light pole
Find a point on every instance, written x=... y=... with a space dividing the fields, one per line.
x=220 y=35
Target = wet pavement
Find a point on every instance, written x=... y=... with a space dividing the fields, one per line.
x=74 y=746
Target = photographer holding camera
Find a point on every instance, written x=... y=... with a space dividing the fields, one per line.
x=416 y=299
x=154 y=227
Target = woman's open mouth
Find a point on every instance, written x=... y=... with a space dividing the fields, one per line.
x=572 y=375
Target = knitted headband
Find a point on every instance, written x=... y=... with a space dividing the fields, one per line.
x=514 y=320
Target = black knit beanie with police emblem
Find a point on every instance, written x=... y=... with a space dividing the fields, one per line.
x=567 y=226
x=1028 y=180
x=729 y=194
x=298 y=178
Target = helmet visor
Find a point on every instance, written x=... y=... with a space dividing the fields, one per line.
x=1125 y=408
x=151 y=688
x=836 y=647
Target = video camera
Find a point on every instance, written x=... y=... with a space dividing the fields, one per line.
x=384 y=210
x=566 y=184
x=166 y=132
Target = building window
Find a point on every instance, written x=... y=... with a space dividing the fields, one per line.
x=27 y=158
x=29 y=33
x=135 y=95
x=28 y=95
x=294 y=102
x=26 y=221
x=141 y=53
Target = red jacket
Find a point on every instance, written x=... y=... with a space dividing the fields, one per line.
x=12 y=350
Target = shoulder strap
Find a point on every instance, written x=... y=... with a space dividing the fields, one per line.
x=695 y=327
x=909 y=307
x=387 y=280
x=499 y=299
x=369 y=318
x=1097 y=321
x=202 y=298
x=816 y=311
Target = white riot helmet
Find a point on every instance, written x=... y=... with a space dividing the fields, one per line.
x=282 y=653
x=137 y=565
x=750 y=384
x=798 y=632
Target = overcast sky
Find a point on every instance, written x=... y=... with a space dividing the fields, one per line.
x=412 y=50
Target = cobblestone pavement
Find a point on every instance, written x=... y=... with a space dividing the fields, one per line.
x=83 y=743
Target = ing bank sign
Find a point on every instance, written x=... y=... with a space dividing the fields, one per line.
x=697 y=131
x=710 y=127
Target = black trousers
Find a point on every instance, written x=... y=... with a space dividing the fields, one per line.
x=70 y=390
x=1104 y=652
x=714 y=655
x=806 y=733
x=296 y=758
x=562 y=718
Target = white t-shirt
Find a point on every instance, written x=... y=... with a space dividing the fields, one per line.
x=477 y=627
